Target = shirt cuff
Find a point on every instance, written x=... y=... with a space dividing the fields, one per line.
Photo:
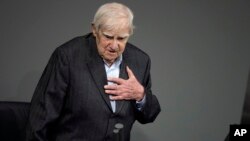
x=140 y=104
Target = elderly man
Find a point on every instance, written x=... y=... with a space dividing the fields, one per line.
x=93 y=82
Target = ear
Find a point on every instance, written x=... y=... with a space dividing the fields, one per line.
x=94 y=31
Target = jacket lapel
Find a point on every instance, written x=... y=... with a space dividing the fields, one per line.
x=123 y=74
x=97 y=70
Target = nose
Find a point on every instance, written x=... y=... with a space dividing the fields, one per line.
x=114 y=44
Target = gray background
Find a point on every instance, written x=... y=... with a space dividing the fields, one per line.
x=199 y=49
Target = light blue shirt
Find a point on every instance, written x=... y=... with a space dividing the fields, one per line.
x=114 y=71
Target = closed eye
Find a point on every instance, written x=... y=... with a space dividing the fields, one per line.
x=124 y=38
x=109 y=37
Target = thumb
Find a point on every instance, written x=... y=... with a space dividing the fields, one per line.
x=130 y=73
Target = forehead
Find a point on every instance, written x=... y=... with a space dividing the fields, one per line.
x=117 y=27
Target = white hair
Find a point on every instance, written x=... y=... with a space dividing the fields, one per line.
x=113 y=16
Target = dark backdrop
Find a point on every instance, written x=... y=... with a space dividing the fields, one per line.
x=199 y=49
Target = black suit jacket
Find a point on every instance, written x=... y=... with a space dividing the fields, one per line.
x=69 y=103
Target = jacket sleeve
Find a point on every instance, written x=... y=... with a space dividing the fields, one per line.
x=151 y=107
x=48 y=98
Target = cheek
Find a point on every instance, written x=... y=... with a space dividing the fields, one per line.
x=102 y=45
x=122 y=47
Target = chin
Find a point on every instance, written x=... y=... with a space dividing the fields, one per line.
x=111 y=59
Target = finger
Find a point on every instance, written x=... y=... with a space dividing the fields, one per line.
x=111 y=86
x=115 y=80
x=130 y=73
x=112 y=92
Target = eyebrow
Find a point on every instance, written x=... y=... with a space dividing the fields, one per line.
x=119 y=36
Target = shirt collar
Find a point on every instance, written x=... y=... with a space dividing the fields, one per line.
x=116 y=63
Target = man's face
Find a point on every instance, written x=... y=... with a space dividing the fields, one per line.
x=111 y=43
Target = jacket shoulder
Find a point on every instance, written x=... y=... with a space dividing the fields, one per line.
x=73 y=44
x=78 y=46
x=135 y=52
